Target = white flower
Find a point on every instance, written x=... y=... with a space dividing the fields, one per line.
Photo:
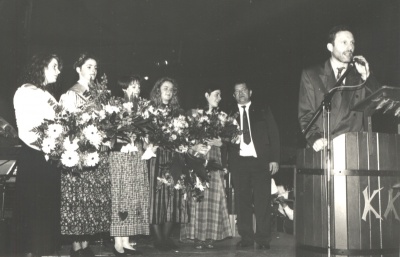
x=54 y=130
x=148 y=154
x=48 y=144
x=201 y=111
x=85 y=118
x=102 y=114
x=110 y=109
x=70 y=146
x=173 y=137
x=128 y=106
x=151 y=110
x=70 y=158
x=94 y=115
x=164 y=181
x=129 y=148
x=222 y=117
x=91 y=159
x=93 y=135
x=204 y=118
x=178 y=186
x=199 y=185
x=146 y=114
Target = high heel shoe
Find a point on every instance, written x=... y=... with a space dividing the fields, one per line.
x=132 y=251
x=116 y=253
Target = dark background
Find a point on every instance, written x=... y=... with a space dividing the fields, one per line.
x=267 y=42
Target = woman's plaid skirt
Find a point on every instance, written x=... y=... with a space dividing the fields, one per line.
x=209 y=218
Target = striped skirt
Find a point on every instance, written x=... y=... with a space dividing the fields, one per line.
x=129 y=194
x=166 y=203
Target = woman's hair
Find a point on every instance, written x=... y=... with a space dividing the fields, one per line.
x=83 y=57
x=125 y=81
x=203 y=103
x=33 y=72
x=155 y=94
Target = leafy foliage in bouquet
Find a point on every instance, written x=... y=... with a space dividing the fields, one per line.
x=77 y=140
x=131 y=118
x=73 y=140
x=204 y=125
x=169 y=131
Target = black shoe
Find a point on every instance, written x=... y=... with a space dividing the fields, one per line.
x=116 y=253
x=161 y=246
x=244 y=244
x=76 y=253
x=87 y=252
x=171 y=244
x=264 y=246
x=132 y=252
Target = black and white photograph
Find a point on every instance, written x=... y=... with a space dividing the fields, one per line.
x=200 y=128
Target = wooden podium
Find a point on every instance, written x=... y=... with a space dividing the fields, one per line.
x=364 y=206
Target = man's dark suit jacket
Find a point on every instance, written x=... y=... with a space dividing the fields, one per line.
x=265 y=136
x=315 y=83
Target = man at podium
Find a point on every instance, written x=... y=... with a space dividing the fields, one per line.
x=316 y=81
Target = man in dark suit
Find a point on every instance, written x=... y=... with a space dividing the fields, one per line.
x=318 y=80
x=252 y=158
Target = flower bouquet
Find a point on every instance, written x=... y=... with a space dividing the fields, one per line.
x=130 y=121
x=72 y=140
x=208 y=125
x=170 y=132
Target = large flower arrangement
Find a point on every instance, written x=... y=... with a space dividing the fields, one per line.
x=208 y=125
x=170 y=131
x=78 y=140
x=131 y=121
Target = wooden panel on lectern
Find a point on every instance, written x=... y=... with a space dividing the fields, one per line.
x=364 y=207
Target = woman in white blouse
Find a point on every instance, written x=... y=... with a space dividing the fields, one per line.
x=37 y=209
x=85 y=199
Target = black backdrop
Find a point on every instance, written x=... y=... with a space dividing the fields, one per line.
x=216 y=41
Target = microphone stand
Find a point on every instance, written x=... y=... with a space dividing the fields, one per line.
x=326 y=105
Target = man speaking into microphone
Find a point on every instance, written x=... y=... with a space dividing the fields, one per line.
x=316 y=81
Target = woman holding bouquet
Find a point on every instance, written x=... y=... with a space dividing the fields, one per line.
x=85 y=197
x=129 y=180
x=165 y=202
x=37 y=210
x=209 y=219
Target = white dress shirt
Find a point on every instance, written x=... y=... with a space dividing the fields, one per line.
x=32 y=106
x=246 y=149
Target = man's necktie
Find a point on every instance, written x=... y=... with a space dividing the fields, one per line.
x=339 y=73
x=246 y=131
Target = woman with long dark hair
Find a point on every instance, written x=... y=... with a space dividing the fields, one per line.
x=37 y=210
x=85 y=199
x=209 y=219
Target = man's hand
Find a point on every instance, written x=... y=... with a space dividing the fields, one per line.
x=320 y=144
x=362 y=69
x=273 y=167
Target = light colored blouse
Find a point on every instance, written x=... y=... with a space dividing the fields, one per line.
x=32 y=106
x=74 y=98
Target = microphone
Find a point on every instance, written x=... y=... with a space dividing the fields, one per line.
x=359 y=61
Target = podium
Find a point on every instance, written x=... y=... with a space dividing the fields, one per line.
x=364 y=207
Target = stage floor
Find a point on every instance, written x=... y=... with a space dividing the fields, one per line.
x=282 y=245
